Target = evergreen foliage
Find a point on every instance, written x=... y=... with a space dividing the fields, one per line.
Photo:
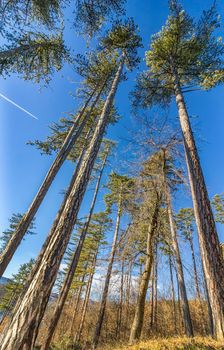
x=33 y=56
x=218 y=204
x=184 y=47
x=13 y=224
x=13 y=288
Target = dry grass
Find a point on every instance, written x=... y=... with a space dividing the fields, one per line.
x=180 y=343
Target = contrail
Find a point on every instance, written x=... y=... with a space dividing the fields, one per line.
x=21 y=108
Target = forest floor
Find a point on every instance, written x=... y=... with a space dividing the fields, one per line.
x=180 y=343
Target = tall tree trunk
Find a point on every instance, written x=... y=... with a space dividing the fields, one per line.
x=152 y=301
x=24 y=325
x=55 y=223
x=180 y=273
x=155 y=287
x=60 y=211
x=208 y=238
x=107 y=281
x=181 y=323
x=137 y=324
x=24 y=224
x=127 y=298
x=173 y=295
x=77 y=304
x=210 y=316
x=198 y=293
x=86 y=301
x=70 y=274
x=120 y=306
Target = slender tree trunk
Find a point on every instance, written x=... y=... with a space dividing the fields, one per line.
x=127 y=298
x=86 y=301
x=73 y=134
x=173 y=295
x=120 y=307
x=208 y=238
x=107 y=282
x=70 y=274
x=155 y=287
x=198 y=293
x=24 y=325
x=181 y=323
x=77 y=304
x=180 y=273
x=137 y=324
x=210 y=316
x=55 y=223
x=140 y=273
x=152 y=301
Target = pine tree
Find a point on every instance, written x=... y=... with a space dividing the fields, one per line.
x=76 y=255
x=14 y=223
x=218 y=204
x=170 y=178
x=184 y=219
x=184 y=56
x=98 y=227
x=33 y=56
x=120 y=188
x=13 y=288
x=31 y=53
x=124 y=40
x=90 y=15
x=148 y=218
x=65 y=142
x=18 y=12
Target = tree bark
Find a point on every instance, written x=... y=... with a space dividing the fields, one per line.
x=55 y=223
x=180 y=273
x=180 y=319
x=173 y=296
x=211 y=254
x=210 y=317
x=127 y=298
x=137 y=324
x=198 y=293
x=24 y=325
x=107 y=281
x=155 y=288
x=73 y=134
x=120 y=306
x=152 y=301
x=70 y=274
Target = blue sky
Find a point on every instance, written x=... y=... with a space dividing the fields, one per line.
x=24 y=168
